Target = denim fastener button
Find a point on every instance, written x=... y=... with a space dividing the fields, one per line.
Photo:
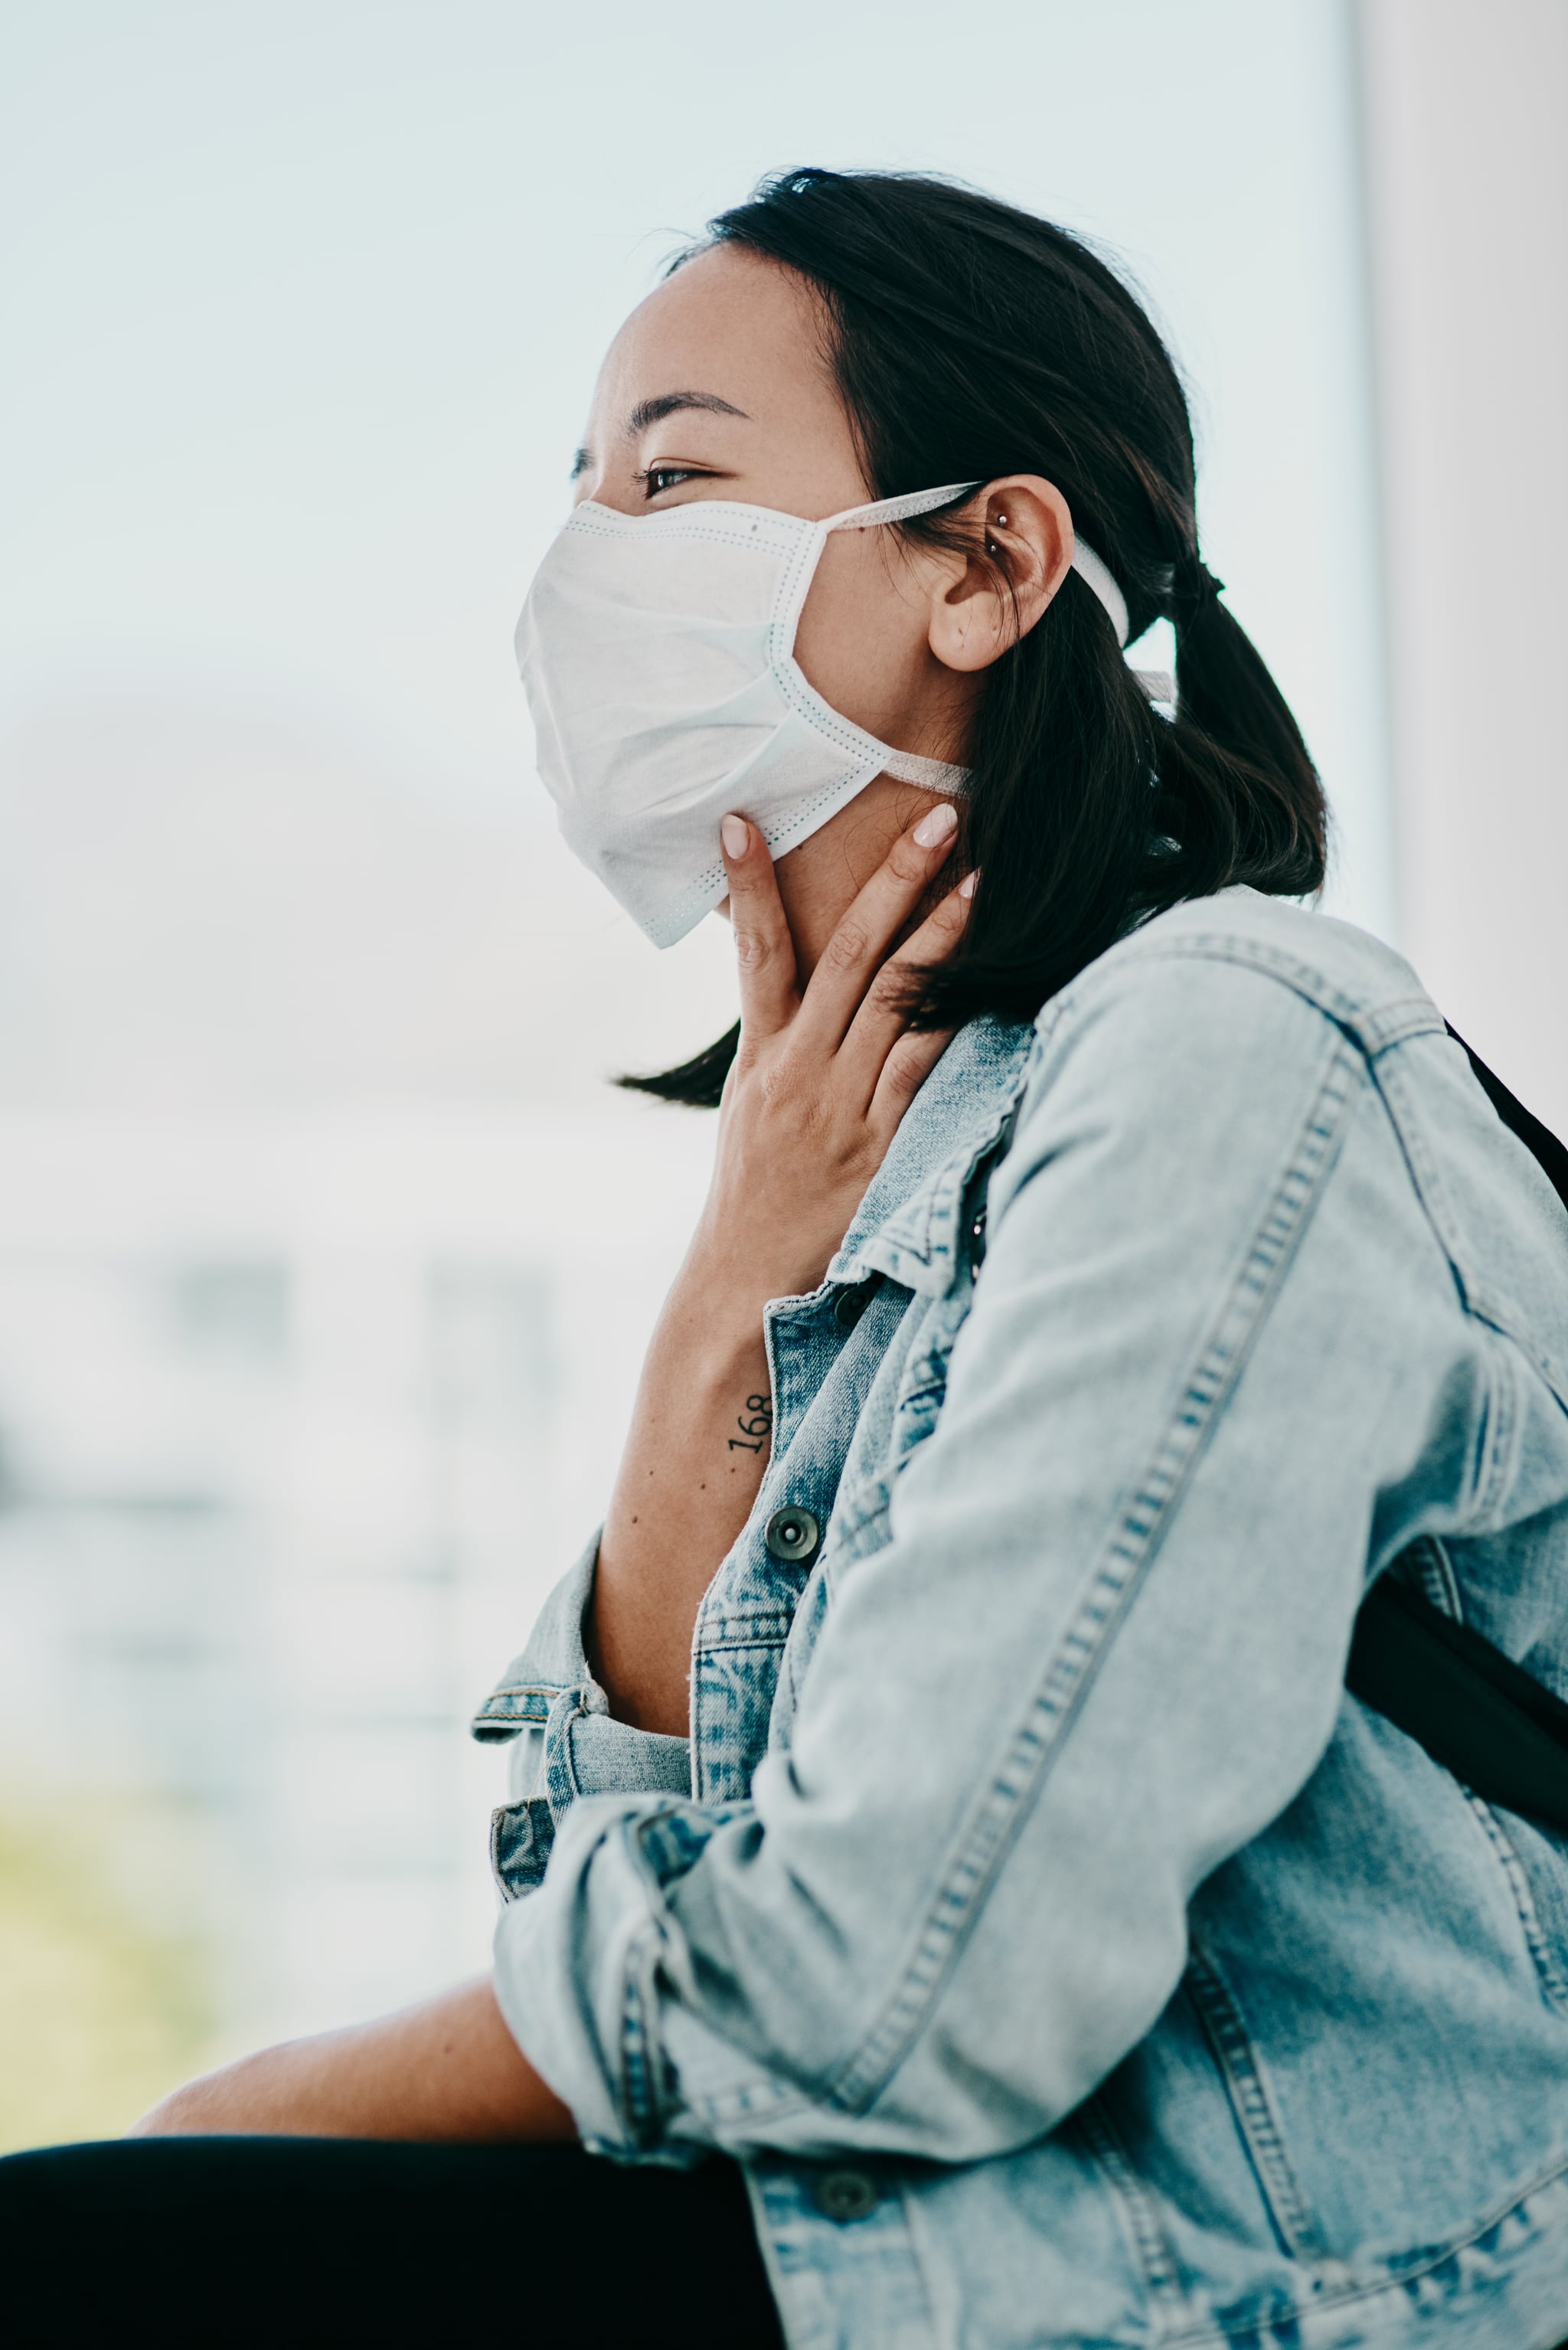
x=844 y=2195
x=793 y=1533
x=851 y=1304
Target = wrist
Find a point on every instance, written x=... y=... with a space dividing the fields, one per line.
x=735 y=1271
x=717 y=1302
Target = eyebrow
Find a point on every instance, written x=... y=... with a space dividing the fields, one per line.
x=669 y=403
x=654 y=411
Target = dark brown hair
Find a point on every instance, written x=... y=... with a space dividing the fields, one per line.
x=969 y=341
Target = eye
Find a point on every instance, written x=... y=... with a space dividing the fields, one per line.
x=659 y=478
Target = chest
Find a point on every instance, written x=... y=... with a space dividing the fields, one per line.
x=859 y=1378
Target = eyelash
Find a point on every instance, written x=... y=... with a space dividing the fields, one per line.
x=665 y=475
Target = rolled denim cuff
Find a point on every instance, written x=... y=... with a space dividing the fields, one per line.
x=521 y=1837
x=548 y=1696
x=554 y=1659
x=584 y=1754
x=577 y=1975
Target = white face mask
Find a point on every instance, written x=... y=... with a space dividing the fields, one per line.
x=657 y=652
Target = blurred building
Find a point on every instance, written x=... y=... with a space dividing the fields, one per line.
x=315 y=1349
x=300 y=1421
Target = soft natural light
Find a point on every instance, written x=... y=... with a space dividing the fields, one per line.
x=327 y=1258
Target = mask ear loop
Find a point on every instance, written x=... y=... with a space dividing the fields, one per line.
x=908 y=767
x=1092 y=569
x=813 y=536
x=1096 y=577
x=904 y=509
x=933 y=774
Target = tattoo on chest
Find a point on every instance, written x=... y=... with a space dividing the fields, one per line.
x=755 y=1423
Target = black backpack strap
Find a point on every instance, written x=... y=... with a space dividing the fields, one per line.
x=1549 y=1155
x=1477 y=1713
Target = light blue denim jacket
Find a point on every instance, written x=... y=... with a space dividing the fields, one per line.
x=1065 y=1955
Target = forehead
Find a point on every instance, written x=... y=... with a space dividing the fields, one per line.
x=728 y=322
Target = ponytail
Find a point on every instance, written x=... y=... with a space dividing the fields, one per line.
x=1237 y=747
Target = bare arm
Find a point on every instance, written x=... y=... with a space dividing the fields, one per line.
x=822 y=1079
x=822 y=1076
x=446 y=2069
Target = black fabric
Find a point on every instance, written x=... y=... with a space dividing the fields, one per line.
x=1549 y=1155
x=1475 y=1712
x=234 y=2241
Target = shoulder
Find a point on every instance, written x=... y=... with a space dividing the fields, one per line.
x=1223 y=969
x=1350 y=977
x=1231 y=1017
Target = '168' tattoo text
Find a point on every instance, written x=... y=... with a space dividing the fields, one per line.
x=759 y=1426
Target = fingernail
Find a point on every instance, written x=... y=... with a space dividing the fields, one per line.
x=966 y=887
x=733 y=833
x=938 y=824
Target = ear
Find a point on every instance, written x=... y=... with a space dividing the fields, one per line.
x=1029 y=540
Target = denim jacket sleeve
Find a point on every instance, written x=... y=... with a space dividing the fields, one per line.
x=567 y=1742
x=1217 y=1370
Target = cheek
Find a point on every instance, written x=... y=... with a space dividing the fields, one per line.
x=861 y=641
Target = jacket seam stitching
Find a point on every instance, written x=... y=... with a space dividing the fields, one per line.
x=1476 y=1299
x=1247 y=2087
x=1435 y=1573
x=947 y=1189
x=1331 y=2296
x=1376 y=1024
x=1152 y=2246
x=1501 y=1461
x=639 y=2055
x=559 y=1773
x=1553 y=1984
x=1126 y=1559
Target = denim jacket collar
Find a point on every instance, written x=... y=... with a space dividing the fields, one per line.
x=907 y=1225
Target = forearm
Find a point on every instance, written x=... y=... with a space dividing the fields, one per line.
x=694 y=1460
x=819 y=1085
x=448 y=2069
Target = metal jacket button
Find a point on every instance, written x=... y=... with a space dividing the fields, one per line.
x=851 y=1304
x=844 y=2195
x=793 y=1533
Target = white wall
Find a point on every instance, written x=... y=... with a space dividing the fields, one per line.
x=1465 y=113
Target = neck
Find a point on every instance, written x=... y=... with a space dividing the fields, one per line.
x=820 y=880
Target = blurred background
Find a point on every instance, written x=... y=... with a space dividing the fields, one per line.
x=327 y=1256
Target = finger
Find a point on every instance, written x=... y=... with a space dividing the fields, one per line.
x=764 y=950
x=854 y=954
x=883 y=1018
x=905 y=1071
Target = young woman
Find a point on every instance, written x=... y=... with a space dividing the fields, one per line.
x=947 y=1875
